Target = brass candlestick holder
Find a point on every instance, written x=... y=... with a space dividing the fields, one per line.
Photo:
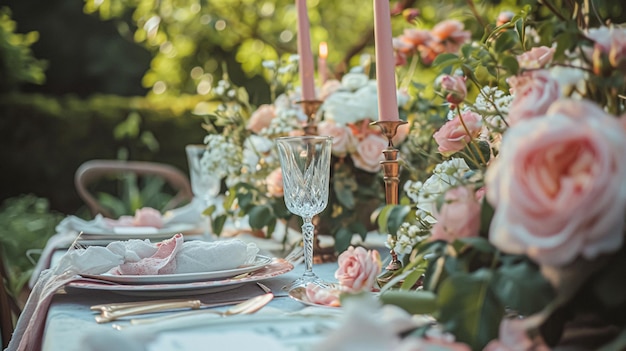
x=310 y=108
x=320 y=254
x=391 y=172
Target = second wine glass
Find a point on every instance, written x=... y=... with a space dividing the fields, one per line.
x=305 y=164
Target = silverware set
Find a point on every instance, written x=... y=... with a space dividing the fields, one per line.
x=115 y=311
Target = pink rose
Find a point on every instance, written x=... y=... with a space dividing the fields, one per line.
x=401 y=133
x=459 y=216
x=452 y=137
x=537 y=57
x=504 y=17
x=534 y=92
x=322 y=296
x=369 y=153
x=454 y=87
x=261 y=118
x=430 y=344
x=148 y=217
x=558 y=186
x=329 y=87
x=416 y=37
x=513 y=337
x=611 y=42
x=358 y=269
x=450 y=33
x=274 y=183
x=343 y=140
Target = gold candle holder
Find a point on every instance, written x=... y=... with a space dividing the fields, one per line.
x=391 y=173
x=310 y=108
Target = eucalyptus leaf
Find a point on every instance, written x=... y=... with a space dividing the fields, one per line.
x=412 y=301
x=217 y=224
x=515 y=283
x=259 y=216
x=397 y=216
x=343 y=238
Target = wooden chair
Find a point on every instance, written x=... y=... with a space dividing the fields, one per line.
x=91 y=171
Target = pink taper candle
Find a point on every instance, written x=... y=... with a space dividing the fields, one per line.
x=307 y=71
x=385 y=63
x=322 y=70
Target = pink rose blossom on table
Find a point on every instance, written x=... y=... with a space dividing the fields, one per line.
x=358 y=269
x=558 y=186
x=454 y=88
x=274 y=182
x=459 y=216
x=452 y=136
x=343 y=140
x=537 y=57
x=513 y=337
x=148 y=217
x=534 y=92
x=261 y=118
x=369 y=153
x=451 y=35
x=430 y=344
x=322 y=296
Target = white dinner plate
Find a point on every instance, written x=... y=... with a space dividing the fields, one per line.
x=275 y=268
x=126 y=233
x=259 y=262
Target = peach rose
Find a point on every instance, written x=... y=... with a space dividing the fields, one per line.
x=534 y=92
x=537 y=57
x=261 y=118
x=558 y=186
x=343 y=140
x=148 y=217
x=322 y=296
x=416 y=37
x=450 y=33
x=369 y=153
x=452 y=137
x=358 y=269
x=274 y=183
x=513 y=337
x=504 y=17
x=459 y=216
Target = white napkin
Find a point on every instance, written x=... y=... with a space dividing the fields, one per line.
x=98 y=260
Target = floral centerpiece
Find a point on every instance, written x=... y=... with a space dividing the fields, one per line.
x=517 y=231
x=240 y=149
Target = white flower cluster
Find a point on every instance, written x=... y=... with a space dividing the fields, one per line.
x=493 y=103
x=222 y=157
x=410 y=234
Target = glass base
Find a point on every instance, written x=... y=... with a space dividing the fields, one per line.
x=305 y=280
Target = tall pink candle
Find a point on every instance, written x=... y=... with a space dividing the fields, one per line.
x=385 y=63
x=307 y=71
x=322 y=69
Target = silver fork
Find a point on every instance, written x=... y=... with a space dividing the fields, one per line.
x=296 y=256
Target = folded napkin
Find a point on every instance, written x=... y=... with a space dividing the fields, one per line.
x=129 y=257
x=69 y=228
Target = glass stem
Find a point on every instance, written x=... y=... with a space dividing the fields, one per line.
x=307 y=234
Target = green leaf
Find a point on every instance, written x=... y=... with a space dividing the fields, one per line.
x=260 y=216
x=413 y=301
x=412 y=278
x=513 y=284
x=218 y=224
x=359 y=228
x=486 y=214
x=383 y=218
x=505 y=41
x=469 y=309
x=511 y=64
x=343 y=238
x=397 y=216
x=446 y=59
x=244 y=200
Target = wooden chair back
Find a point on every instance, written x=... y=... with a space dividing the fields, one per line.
x=93 y=170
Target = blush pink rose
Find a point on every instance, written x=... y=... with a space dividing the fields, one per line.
x=451 y=35
x=358 y=269
x=537 y=57
x=513 y=337
x=148 y=217
x=558 y=185
x=343 y=140
x=459 y=216
x=534 y=92
x=452 y=137
x=369 y=153
x=274 y=183
x=611 y=42
x=322 y=296
x=454 y=88
x=261 y=118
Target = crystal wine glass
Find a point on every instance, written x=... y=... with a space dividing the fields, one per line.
x=204 y=185
x=305 y=164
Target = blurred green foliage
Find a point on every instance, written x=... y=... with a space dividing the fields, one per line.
x=17 y=63
x=26 y=223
